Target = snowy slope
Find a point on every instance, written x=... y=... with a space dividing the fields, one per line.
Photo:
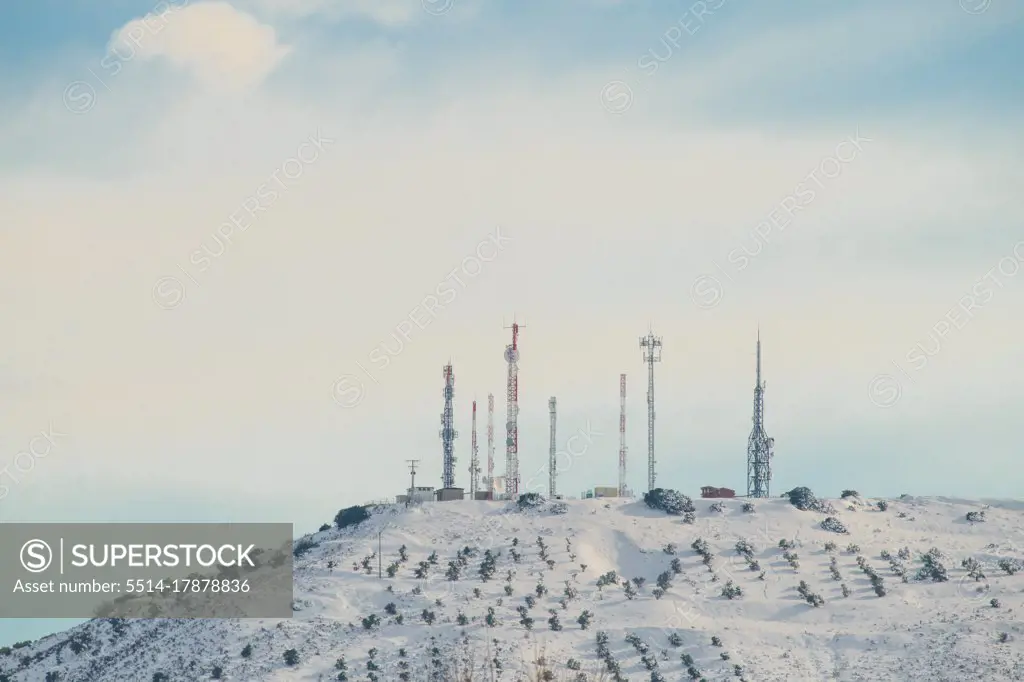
x=920 y=629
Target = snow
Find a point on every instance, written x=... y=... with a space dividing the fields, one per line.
x=918 y=631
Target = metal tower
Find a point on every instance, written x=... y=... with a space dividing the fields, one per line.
x=448 y=432
x=551 y=454
x=474 y=460
x=490 y=446
x=760 y=448
x=651 y=348
x=512 y=417
x=622 y=435
x=412 y=483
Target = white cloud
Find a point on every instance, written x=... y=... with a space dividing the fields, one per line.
x=221 y=45
x=387 y=12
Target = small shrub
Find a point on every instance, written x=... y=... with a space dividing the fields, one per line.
x=882 y=505
x=850 y=493
x=976 y=516
x=291 y=657
x=732 y=591
x=247 y=651
x=529 y=501
x=748 y=507
x=834 y=525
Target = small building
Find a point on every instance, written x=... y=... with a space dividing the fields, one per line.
x=419 y=494
x=450 y=494
x=711 y=492
x=606 y=491
x=484 y=495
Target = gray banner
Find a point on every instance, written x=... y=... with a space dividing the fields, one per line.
x=145 y=570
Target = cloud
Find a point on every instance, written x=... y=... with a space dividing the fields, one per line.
x=386 y=12
x=222 y=46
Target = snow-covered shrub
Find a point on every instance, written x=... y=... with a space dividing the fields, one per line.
x=849 y=493
x=731 y=591
x=811 y=598
x=882 y=505
x=669 y=501
x=976 y=516
x=529 y=501
x=748 y=507
x=351 y=516
x=558 y=508
x=834 y=525
x=718 y=507
x=1010 y=566
x=933 y=569
x=803 y=499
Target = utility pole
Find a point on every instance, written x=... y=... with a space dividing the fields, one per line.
x=412 y=483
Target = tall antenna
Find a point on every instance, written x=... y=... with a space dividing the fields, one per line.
x=474 y=461
x=448 y=432
x=551 y=454
x=651 y=348
x=412 y=483
x=622 y=435
x=490 y=446
x=512 y=417
x=760 y=448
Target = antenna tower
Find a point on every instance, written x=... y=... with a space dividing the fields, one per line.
x=512 y=417
x=651 y=348
x=760 y=448
x=474 y=461
x=490 y=446
x=622 y=435
x=412 y=483
x=551 y=454
x=448 y=432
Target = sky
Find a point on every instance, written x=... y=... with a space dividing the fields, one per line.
x=241 y=239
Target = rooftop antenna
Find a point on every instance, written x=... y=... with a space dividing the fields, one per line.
x=760 y=448
x=651 y=349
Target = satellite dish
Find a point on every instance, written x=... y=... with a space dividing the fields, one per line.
x=511 y=354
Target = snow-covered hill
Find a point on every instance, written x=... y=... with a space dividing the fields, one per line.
x=921 y=629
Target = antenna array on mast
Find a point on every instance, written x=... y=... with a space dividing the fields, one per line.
x=448 y=432
x=760 y=448
x=651 y=348
x=622 y=435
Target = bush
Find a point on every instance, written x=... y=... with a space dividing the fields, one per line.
x=976 y=516
x=303 y=546
x=833 y=525
x=291 y=657
x=717 y=507
x=529 y=501
x=324 y=527
x=247 y=651
x=669 y=501
x=731 y=591
x=351 y=516
x=850 y=493
x=748 y=507
x=803 y=499
x=882 y=505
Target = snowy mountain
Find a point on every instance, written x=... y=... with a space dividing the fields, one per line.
x=916 y=607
